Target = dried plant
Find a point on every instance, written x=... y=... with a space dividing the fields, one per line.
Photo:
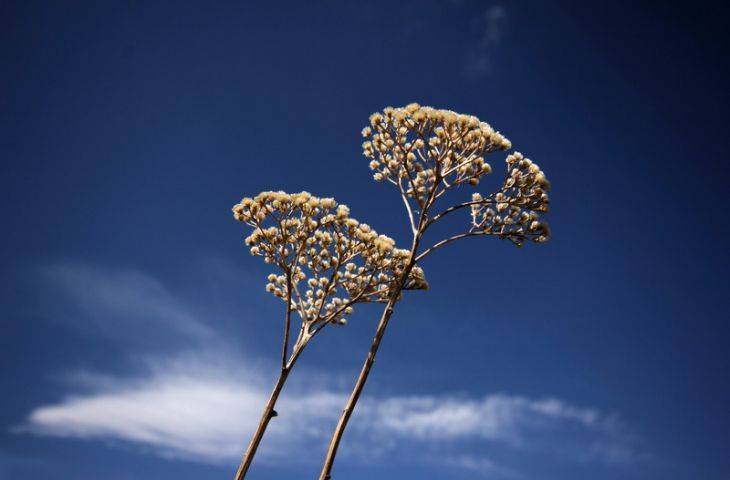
x=430 y=155
x=326 y=263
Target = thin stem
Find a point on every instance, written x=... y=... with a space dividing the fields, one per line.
x=302 y=313
x=287 y=320
x=331 y=284
x=355 y=395
x=436 y=217
x=266 y=417
x=440 y=244
x=408 y=207
x=328 y=319
x=268 y=412
x=334 y=444
x=287 y=366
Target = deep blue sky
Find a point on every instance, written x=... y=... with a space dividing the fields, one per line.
x=128 y=129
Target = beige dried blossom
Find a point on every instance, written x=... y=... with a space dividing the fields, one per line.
x=426 y=151
x=419 y=148
x=514 y=211
x=332 y=260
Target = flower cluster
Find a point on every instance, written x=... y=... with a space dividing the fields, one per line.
x=426 y=151
x=514 y=211
x=328 y=260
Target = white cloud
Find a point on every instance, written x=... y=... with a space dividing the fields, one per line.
x=501 y=417
x=483 y=466
x=185 y=409
x=120 y=303
x=203 y=405
x=202 y=412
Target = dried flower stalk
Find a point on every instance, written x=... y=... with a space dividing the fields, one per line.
x=426 y=154
x=327 y=263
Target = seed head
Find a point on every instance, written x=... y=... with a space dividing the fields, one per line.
x=328 y=259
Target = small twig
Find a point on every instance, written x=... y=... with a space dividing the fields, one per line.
x=287 y=321
x=483 y=201
x=446 y=241
x=408 y=207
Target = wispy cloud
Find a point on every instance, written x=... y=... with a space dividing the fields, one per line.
x=186 y=408
x=120 y=303
x=483 y=466
x=205 y=412
x=490 y=26
x=202 y=404
x=502 y=417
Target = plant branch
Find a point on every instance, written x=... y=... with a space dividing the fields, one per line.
x=408 y=207
x=440 y=244
x=287 y=321
x=483 y=201
x=334 y=444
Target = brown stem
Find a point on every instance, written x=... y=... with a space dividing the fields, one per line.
x=287 y=321
x=267 y=415
x=334 y=444
x=355 y=395
x=445 y=242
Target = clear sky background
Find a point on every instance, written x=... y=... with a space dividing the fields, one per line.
x=137 y=341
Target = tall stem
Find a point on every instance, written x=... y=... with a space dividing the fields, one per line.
x=326 y=473
x=334 y=444
x=267 y=415
x=287 y=320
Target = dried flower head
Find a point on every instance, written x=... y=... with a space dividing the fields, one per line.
x=426 y=151
x=423 y=148
x=328 y=260
x=514 y=211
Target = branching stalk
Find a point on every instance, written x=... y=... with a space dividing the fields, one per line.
x=453 y=156
x=448 y=152
x=316 y=244
x=287 y=320
x=334 y=444
x=395 y=293
x=446 y=241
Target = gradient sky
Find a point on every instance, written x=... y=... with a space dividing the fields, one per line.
x=138 y=342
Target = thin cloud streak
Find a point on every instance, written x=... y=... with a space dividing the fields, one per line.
x=490 y=24
x=484 y=467
x=122 y=304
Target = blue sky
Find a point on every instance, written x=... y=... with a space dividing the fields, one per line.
x=137 y=339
